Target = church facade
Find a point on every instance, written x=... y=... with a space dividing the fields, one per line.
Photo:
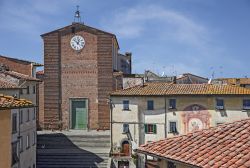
x=79 y=63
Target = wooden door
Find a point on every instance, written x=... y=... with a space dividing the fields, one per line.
x=79 y=119
x=126 y=149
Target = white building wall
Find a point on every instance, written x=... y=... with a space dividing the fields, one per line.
x=28 y=128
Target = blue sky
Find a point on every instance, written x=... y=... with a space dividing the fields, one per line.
x=170 y=36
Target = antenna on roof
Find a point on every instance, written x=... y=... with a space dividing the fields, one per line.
x=77 y=17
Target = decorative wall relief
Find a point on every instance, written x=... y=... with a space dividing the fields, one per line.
x=195 y=117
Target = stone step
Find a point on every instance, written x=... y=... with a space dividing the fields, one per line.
x=66 y=165
x=73 y=149
x=97 y=151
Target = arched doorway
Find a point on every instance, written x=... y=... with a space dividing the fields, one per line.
x=126 y=148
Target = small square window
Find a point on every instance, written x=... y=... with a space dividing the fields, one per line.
x=34 y=115
x=34 y=89
x=125 y=128
x=172 y=103
x=150 y=105
x=171 y=165
x=28 y=115
x=28 y=90
x=14 y=123
x=15 y=158
x=21 y=116
x=125 y=104
x=150 y=128
x=21 y=144
x=173 y=127
x=246 y=104
x=219 y=104
x=34 y=138
x=27 y=141
x=21 y=91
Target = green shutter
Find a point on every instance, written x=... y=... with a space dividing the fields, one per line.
x=146 y=128
x=154 y=128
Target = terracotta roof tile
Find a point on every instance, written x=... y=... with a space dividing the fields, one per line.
x=40 y=72
x=4 y=84
x=20 y=76
x=227 y=145
x=11 y=102
x=150 y=89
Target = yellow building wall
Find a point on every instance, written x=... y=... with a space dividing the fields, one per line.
x=184 y=115
x=5 y=138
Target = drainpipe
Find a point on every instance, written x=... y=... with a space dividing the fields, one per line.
x=165 y=128
x=111 y=123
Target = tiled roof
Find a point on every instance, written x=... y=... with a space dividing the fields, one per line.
x=227 y=145
x=20 y=76
x=150 y=89
x=40 y=72
x=11 y=102
x=7 y=85
x=147 y=89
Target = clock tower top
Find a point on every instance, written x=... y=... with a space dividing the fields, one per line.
x=77 y=16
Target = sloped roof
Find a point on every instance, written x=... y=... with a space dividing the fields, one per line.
x=189 y=74
x=11 y=102
x=40 y=72
x=157 y=89
x=21 y=61
x=149 y=89
x=20 y=76
x=227 y=145
x=4 y=84
x=82 y=25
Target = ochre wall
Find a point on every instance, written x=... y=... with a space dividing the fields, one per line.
x=5 y=138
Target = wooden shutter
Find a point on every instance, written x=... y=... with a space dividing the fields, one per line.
x=146 y=128
x=154 y=129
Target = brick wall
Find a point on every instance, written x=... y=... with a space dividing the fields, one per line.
x=71 y=74
x=51 y=80
x=79 y=76
x=17 y=66
x=40 y=94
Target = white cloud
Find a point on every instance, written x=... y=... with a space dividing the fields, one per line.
x=133 y=22
x=29 y=17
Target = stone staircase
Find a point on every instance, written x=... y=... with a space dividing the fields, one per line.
x=73 y=149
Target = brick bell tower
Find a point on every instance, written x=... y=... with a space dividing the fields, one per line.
x=79 y=62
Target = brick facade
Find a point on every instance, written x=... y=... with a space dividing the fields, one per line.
x=71 y=74
x=21 y=66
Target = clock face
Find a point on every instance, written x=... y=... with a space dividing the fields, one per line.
x=77 y=42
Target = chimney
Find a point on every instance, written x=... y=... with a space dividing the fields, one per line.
x=237 y=82
x=174 y=79
x=3 y=68
x=129 y=56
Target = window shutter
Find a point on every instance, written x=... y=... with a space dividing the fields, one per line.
x=154 y=128
x=146 y=128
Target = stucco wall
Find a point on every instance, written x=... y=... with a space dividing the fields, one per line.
x=28 y=155
x=189 y=109
x=5 y=138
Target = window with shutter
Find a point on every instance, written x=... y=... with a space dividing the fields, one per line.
x=150 y=128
